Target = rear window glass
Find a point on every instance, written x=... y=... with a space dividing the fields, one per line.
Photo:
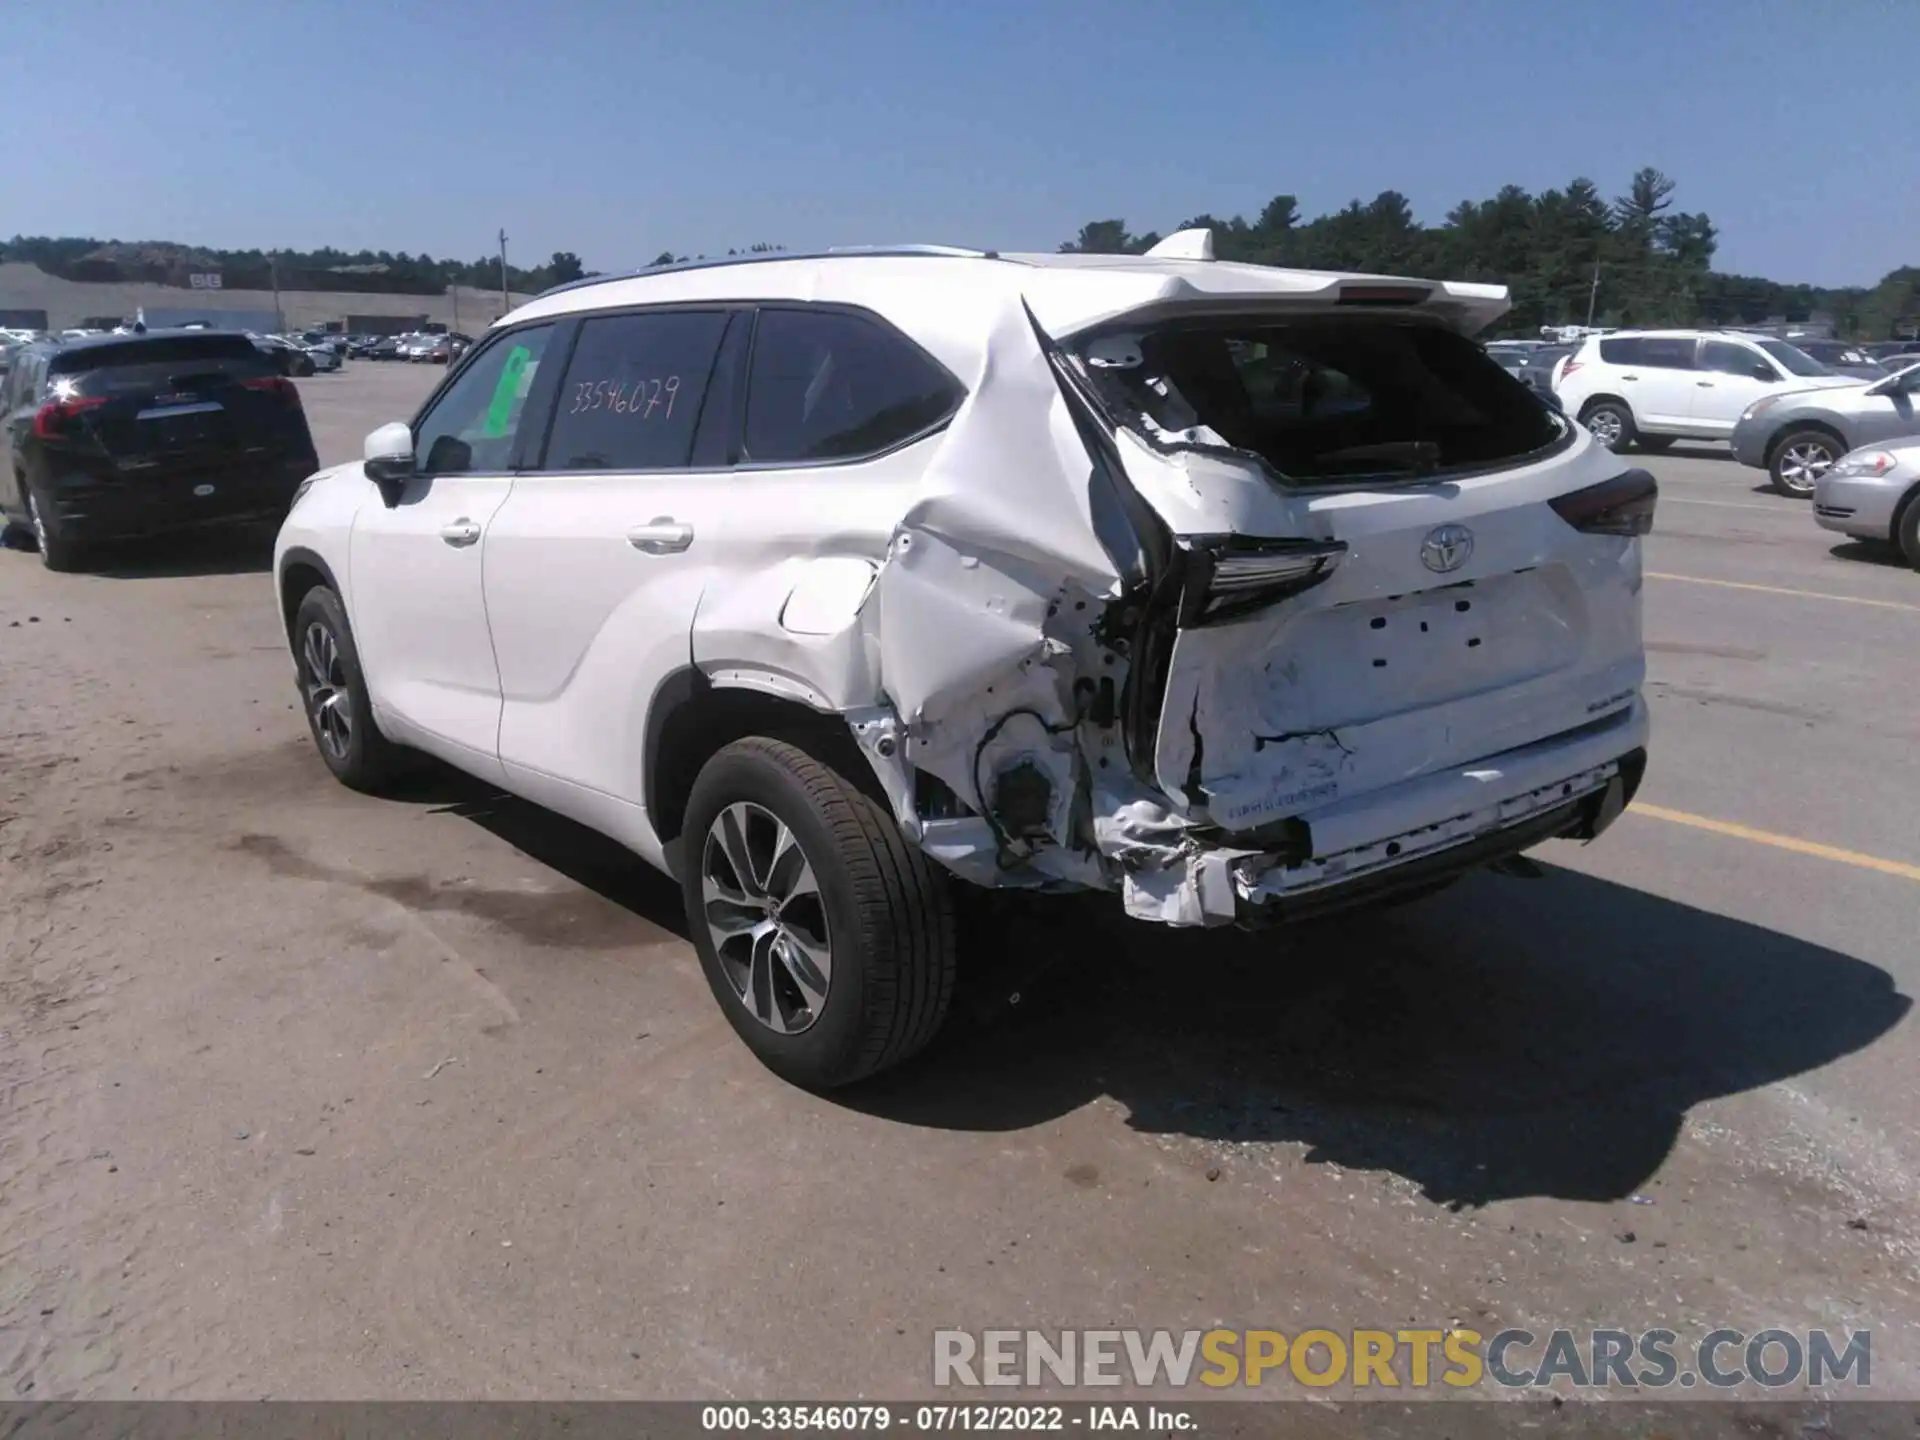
x=1327 y=400
x=171 y=363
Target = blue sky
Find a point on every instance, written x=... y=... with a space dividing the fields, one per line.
x=619 y=130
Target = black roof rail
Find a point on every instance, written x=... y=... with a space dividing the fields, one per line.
x=950 y=252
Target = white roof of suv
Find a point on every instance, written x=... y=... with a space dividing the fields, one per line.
x=1067 y=293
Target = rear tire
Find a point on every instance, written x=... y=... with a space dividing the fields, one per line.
x=58 y=552
x=333 y=696
x=825 y=936
x=1799 y=459
x=1611 y=423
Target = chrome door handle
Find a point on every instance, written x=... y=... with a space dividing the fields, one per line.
x=1629 y=377
x=1704 y=384
x=461 y=532
x=662 y=535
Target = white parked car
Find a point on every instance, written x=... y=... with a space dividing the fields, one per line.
x=1652 y=387
x=828 y=584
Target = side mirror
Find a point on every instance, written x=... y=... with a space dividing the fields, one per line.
x=387 y=457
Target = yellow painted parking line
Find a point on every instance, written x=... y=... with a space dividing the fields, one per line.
x=1782 y=590
x=1780 y=842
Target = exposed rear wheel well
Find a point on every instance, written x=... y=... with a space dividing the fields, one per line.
x=691 y=721
x=1594 y=401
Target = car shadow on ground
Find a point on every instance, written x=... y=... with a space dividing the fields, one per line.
x=177 y=557
x=1505 y=1038
x=584 y=856
x=1881 y=553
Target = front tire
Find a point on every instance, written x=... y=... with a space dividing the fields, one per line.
x=1800 y=459
x=1907 y=532
x=825 y=936
x=333 y=695
x=1611 y=423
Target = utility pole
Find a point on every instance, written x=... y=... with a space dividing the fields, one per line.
x=504 y=305
x=1593 y=295
x=273 y=270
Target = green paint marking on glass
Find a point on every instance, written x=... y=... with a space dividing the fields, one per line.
x=500 y=410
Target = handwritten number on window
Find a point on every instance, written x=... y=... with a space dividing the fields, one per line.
x=647 y=398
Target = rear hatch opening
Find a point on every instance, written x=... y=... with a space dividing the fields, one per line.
x=1321 y=398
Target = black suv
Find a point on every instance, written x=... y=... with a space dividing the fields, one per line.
x=120 y=437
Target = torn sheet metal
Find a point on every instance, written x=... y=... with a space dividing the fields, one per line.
x=1000 y=527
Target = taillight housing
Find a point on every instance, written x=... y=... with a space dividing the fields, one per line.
x=279 y=385
x=1229 y=576
x=1620 y=506
x=1569 y=368
x=50 y=421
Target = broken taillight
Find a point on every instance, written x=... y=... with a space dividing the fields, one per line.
x=1236 y=575
x=1620 y=506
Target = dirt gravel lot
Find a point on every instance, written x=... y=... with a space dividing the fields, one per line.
x=309 y=1094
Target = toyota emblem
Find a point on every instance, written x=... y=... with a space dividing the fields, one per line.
x=1446 y=548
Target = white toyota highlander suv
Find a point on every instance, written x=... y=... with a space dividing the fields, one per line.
x=828 y=584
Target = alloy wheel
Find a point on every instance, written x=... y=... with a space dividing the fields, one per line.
x=1605 y=426
x=1802 y=465
x=764 y=912
x=329 y=697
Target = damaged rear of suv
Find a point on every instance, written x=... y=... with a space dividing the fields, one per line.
x=1244 y=594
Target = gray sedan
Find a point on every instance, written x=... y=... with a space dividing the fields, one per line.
x=1797 y=436
x=1874 y=494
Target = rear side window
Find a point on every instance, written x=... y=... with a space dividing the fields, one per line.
x=631 y=396
x=1666 y=352
x=1621 y=352
x=829 y=385
x=1330 y=400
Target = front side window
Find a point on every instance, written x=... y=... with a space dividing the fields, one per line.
x=1726 y=358
x=471 y=428
x=828 y=385
x=631 y=397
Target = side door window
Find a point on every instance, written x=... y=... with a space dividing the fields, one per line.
x=1726 y=358
x=832 y=385
x=634 y=390
x=1667 y=352
x=470 y=428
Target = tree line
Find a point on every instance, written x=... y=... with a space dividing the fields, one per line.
x=1564 y=254
x=359 y=271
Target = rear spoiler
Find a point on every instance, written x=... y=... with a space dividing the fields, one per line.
x=1224 y=289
